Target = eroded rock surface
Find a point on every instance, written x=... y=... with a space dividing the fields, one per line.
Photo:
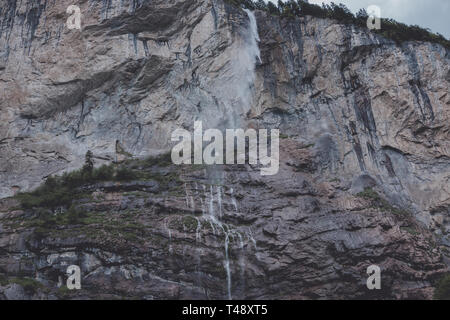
x=355 y=110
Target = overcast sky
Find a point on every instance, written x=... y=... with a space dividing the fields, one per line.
x=433 y=14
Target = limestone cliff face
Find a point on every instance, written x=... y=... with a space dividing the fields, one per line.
x=355 y=111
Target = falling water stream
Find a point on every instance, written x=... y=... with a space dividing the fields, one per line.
x=254 y=39
x=210 y=195
x=246 y=60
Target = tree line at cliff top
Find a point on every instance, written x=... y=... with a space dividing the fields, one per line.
x=399 y=32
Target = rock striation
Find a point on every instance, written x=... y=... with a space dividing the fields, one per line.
x=364 y=157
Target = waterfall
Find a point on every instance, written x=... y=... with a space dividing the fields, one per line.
x=211 y=202
x=197 y=231
x=227 y=266
x=254 y=39
x=233 y=200
x=219 y=200
x=244 y=70
x=212 y=199
x=233 y=91
x=244 y=65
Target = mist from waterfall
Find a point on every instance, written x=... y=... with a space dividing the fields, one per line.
x=234 y=91
x=237 y=97
x=254 y=39
x=243 y=68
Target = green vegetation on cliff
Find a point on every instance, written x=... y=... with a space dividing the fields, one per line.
x=442 y=291
x=30 y=285
x=60 y=191
x=391 y=29
x=381 y=203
